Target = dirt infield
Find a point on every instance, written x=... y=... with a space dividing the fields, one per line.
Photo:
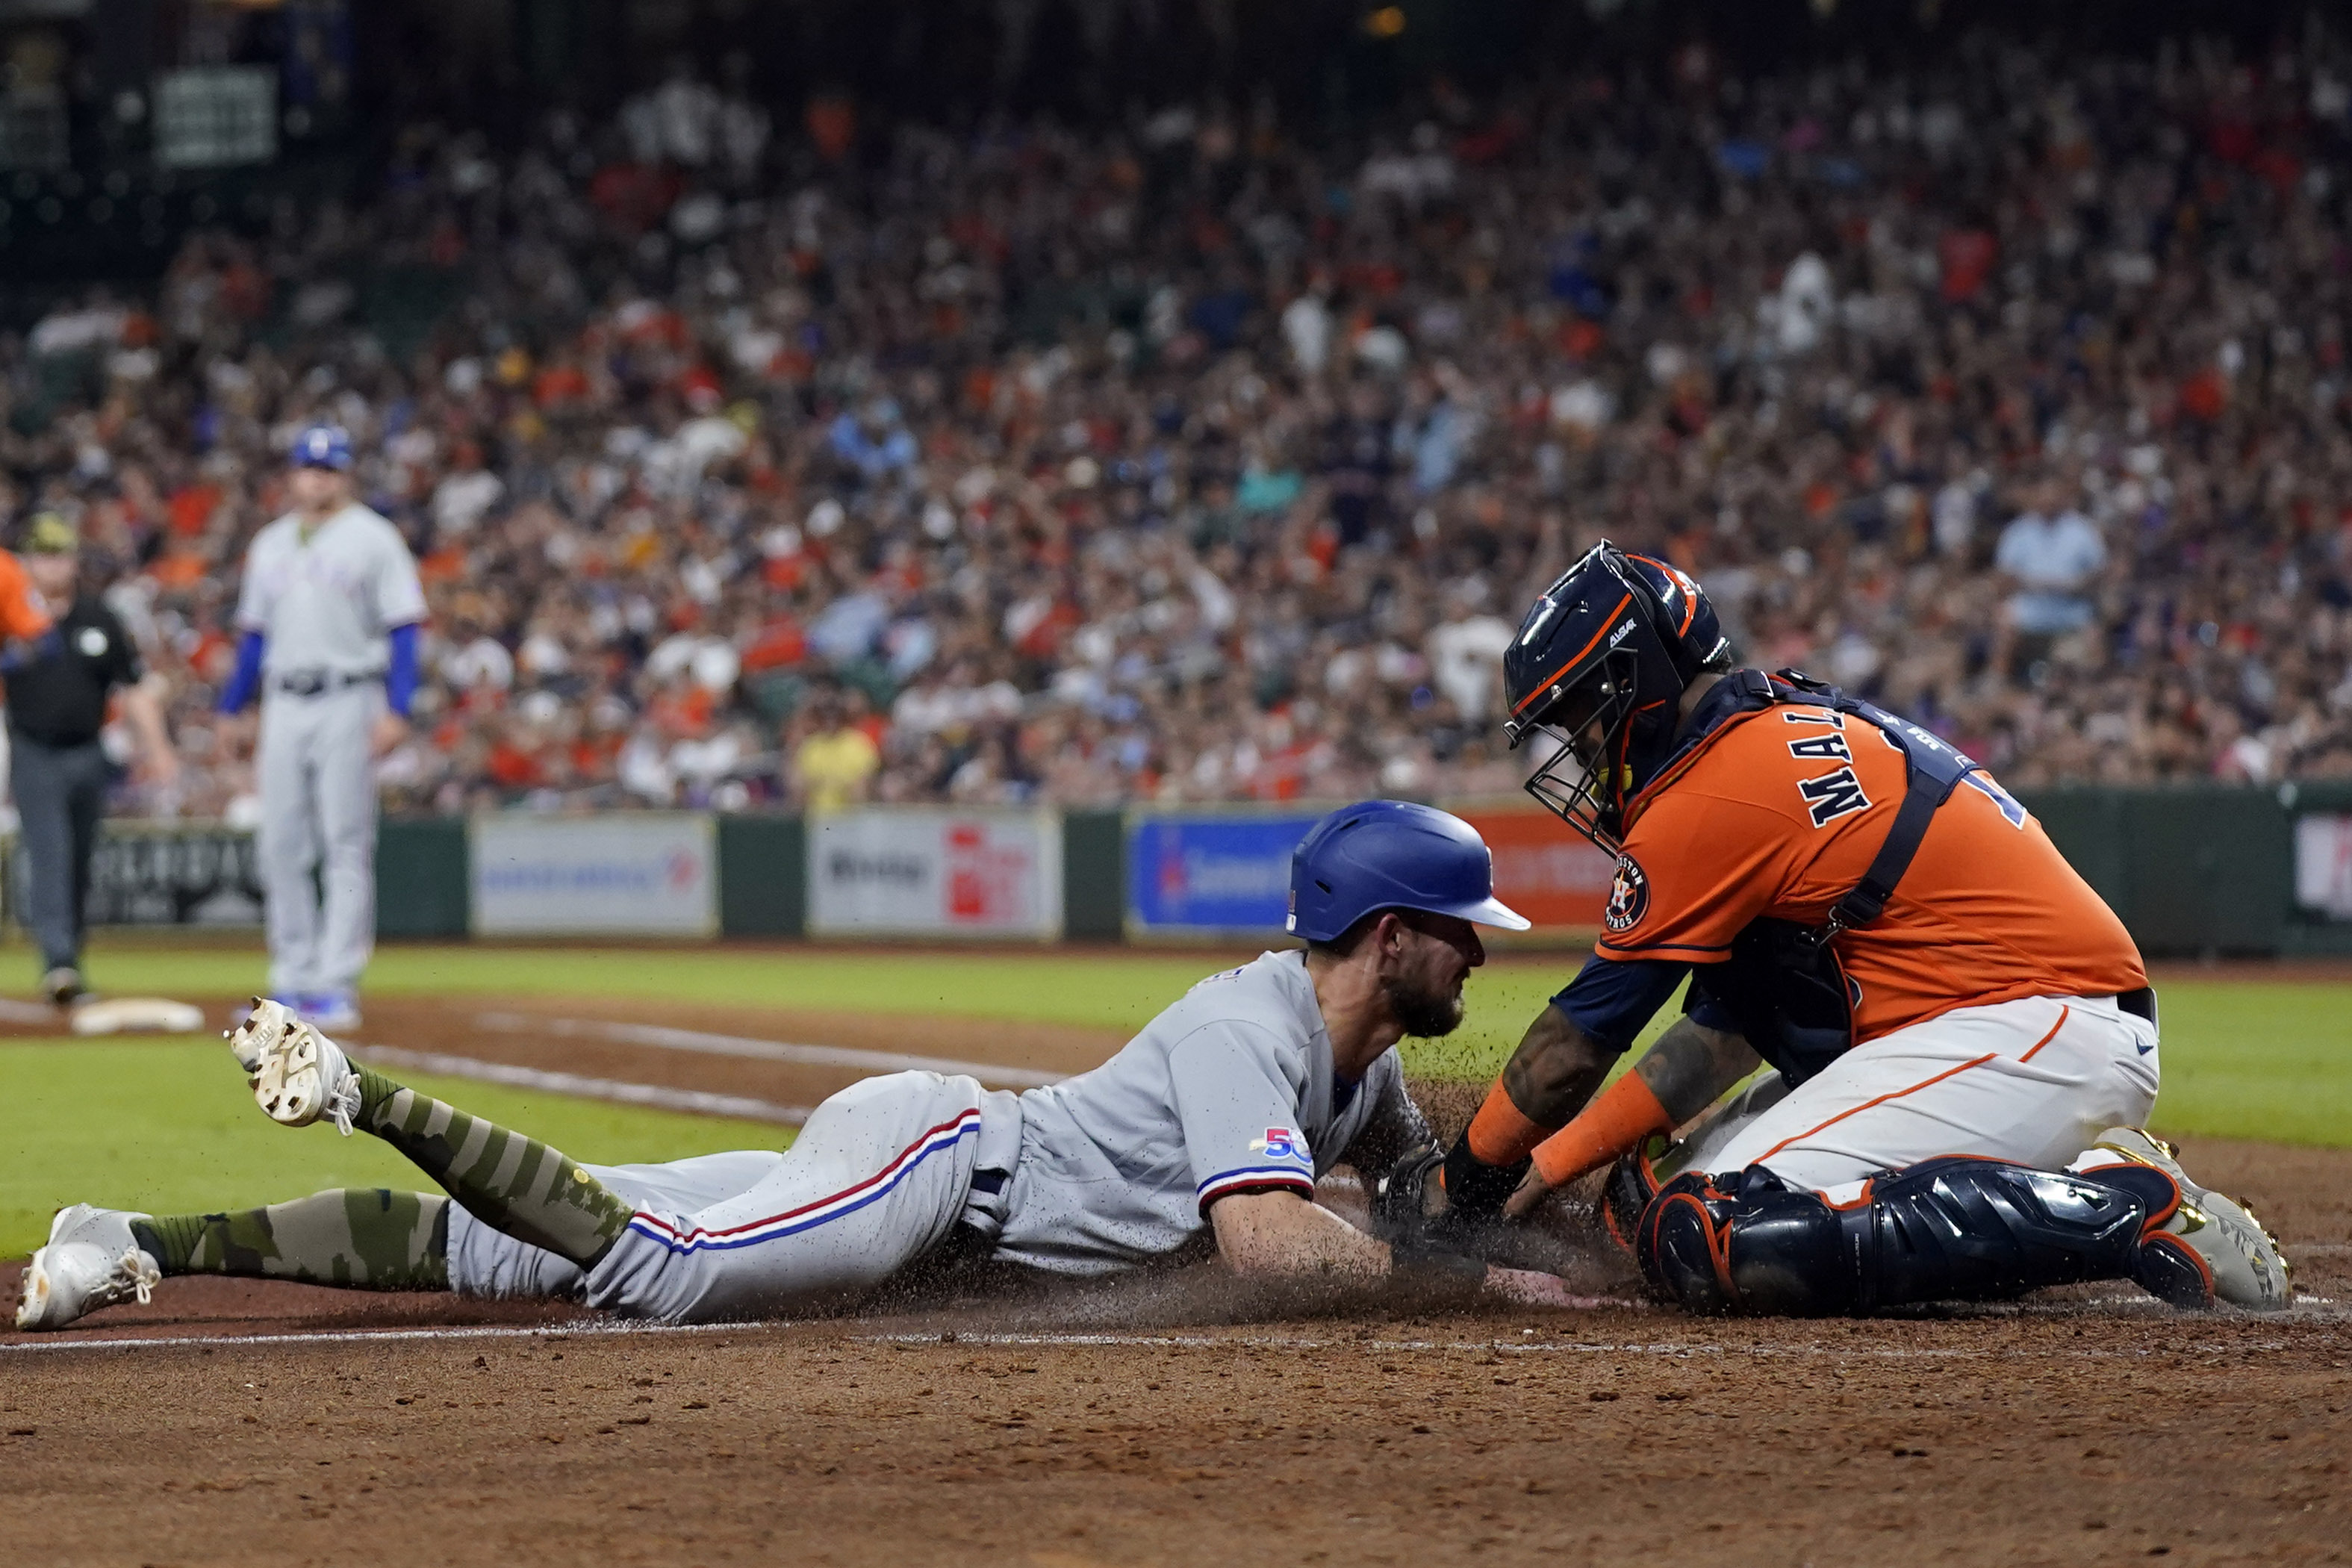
x=1473 y=1437
x=1169 y=1421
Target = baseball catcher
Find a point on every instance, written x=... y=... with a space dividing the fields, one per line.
x=1205 y=1133
x=1963 y=1037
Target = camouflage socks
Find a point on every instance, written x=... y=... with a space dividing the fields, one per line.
x=367 y=1237
x=515 y=1183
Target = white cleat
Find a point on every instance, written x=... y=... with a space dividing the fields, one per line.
x=91 y=1262
x=297 y=1074
x=2248 y=1265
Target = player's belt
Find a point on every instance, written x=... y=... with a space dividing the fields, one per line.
x=2140 y=1004
x=318 y=682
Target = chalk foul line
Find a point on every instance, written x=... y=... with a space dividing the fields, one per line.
x=663 y=1037
x=658 y=1096
x=1680 y=1349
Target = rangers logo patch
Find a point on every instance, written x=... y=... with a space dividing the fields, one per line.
x=1280 y=1144
x=1629 y=896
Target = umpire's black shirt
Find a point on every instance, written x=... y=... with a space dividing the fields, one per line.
x=60 y=699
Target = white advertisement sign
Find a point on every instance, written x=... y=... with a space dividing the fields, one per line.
x=920 y=872
x=2323 y=863
x=655 y=875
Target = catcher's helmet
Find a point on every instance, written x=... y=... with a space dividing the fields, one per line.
x=323 y=446
x=1599 y=666
x=1391 y=855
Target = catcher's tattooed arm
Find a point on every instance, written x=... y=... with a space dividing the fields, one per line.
x=1677 y=1078
x=1690 y=1066
x=1563 y=1058
x=1276 y=1232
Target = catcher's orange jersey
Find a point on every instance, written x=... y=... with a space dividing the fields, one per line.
x=1780 y=812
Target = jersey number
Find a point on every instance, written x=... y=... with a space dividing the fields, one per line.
x=2009 y=804
x=1833 y=796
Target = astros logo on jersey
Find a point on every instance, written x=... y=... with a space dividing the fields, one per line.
x=1280 y=1144
x=1629 y=895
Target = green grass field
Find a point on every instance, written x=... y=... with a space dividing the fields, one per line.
x=167 y=1125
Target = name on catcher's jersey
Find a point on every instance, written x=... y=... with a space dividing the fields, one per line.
x=1778 y=813
x=1229 y=1090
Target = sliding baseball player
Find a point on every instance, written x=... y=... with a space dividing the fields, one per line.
x=1207 y=1131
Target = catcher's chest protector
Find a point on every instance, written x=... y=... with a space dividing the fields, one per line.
x=1782 y=981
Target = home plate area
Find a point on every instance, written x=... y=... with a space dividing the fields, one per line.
x=1176 y=1419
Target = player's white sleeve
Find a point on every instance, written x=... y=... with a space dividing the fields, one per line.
x=253 y=598
x=1239 y=1111
x=399 y=593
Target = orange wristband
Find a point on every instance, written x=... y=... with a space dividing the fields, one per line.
x=1616 y=1121
x=1501 y=1134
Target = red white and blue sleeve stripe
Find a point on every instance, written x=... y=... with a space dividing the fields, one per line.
x=1254 y=1178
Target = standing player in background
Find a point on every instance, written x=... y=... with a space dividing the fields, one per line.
x=328 y=622
x=57 y=706
x=1965 y=1036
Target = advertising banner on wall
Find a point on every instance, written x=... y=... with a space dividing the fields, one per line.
x=1210 y=873
x=650 y=875
x=2323 y=863
x=922 y=872
x=1230 y=873
x=187 y=873
x=1544 y=869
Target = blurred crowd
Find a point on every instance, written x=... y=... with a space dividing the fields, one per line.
x=1202 y=458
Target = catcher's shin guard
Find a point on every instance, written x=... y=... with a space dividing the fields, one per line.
x=1949 y=1229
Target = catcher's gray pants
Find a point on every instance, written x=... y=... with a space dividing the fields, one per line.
x=881 y=1174
x=59 y=792
x=318 y=818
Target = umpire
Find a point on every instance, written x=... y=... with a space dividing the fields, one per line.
x=57 y=706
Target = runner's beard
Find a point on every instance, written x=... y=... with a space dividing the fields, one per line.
x=1426 y=1013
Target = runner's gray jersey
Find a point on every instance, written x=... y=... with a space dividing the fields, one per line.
x=325 y=603
x=1230 y=1089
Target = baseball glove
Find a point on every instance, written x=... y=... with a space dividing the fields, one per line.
x=1411 y=1197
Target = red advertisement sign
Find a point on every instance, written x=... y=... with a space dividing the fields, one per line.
x=1543 y=868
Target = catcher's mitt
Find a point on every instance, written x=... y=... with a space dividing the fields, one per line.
x=1409 y=1196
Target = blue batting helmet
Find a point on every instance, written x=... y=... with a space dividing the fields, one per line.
x=323 y=446
x=1391 y=855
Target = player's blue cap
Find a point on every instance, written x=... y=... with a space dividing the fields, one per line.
x=1391 y=855
x=323 y=446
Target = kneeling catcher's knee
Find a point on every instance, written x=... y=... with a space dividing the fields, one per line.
x=1953 y=1228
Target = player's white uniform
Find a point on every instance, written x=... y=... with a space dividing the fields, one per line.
x=1230 y=1089
x=2035 y=1081
x=325 y=605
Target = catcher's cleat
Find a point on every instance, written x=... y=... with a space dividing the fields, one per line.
x=2249 y=1268
x=91 y=1262
x=297 y=1074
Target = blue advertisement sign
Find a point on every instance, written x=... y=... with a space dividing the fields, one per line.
x=1210 y=873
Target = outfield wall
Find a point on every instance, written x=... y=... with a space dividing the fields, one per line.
x=2192 y=870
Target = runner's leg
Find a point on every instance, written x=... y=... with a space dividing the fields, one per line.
x=367 y=1237
x=878 y=1176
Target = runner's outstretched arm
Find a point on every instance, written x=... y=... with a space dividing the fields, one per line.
x=1282 y=1233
